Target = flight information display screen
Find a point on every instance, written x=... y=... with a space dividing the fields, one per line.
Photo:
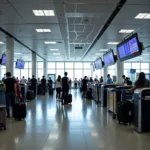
x=129 y=48
x=109 y=59
x=3 y=60
x=98 y=64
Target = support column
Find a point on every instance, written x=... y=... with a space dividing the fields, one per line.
x=45 y=69
x=34 y=64
x=10 y=55
x=105 y=72
x=119 y=71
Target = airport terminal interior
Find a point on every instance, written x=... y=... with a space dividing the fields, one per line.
x=104 y=46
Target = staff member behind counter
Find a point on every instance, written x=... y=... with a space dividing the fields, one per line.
x=142 y=82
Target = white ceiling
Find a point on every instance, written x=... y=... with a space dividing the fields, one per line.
x=77 y=22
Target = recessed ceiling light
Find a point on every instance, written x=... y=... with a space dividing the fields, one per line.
x=143 y=16
x=1 y=42
x=113 y=43
x=103 y=50
x=43 y=30
x=44 y=12
x=126 y=31
x=50 y=42
x=54 y=49
x=56 y=53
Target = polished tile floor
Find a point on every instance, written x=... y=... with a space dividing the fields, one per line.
x=80 y=126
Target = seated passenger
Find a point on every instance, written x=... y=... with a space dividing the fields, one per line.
x=142 y=82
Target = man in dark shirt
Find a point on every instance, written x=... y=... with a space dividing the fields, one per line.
x=43 y=83
x=65 y=86
x=50 y=83
x=11 y=92
x=33 y=84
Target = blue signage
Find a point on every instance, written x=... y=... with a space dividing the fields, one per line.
x=132 y=71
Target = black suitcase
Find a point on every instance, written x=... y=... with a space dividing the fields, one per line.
x=30 y=95
x=68 y=99
x=89 y=94
x=20 y=111
x=51 y=91
x=81 y=89
x=125 y=112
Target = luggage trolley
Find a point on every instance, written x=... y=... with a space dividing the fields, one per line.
x=142 y=110
x=3 y=116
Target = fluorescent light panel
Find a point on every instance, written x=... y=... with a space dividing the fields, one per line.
x=1 y=42
x=103 y=50
x=54 y=49
x=43 y=30
x=56 y=53
x=44 y=12
x=113 y=43
x=126 y=31
x=50 y=42
x=143 y=16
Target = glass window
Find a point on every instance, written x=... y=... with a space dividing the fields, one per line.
x=40 y=65
x=17 y=73
x=135 y=65
x=127 y=72
x=78 y=65
x=60 y=65
x=60 y=72
x=87 y=73
x=3 y=72
x=87 y=65
x=26 y=65
x=51 y=71
x=30 y=64
x=3 y=67
x=69 y=65
x=78 y=74
x=145 y=71
x=111 y=67
x=25 y=73
x=51 y=65
x=70 y=74
x=127 y=65
x=111 y=72
x=97 y=74
x=39 y=73
x=30 y=73
x=144 y=65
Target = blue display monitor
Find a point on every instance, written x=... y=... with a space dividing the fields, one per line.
x=109 y=59
x=3 y=60
x=98 y=64
x=129 y=48
x=20 y=64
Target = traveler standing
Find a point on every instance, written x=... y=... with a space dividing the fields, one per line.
x=58 y=87
x=65 y=86
x=23 y=80
x=33 y=84
x=11 y=92
x=84 y=86
x=43 y=83
x=75 y=83
x=50 y=83
x=109 y=79
x=101 y=80
x=123 y=79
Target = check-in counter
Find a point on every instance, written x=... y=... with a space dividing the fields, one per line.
x=116 y=94
x=96 y=88
x=24 y=88
x=141 y=102
x=103 y=93
x=2 y=95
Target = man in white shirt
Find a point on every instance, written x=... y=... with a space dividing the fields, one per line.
x=23 y=80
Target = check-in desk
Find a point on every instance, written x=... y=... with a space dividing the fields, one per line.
x=116 y=94
x=103 y=93
x=24 y=88
x=142 y=110
x=2 y=95
x=96 y=88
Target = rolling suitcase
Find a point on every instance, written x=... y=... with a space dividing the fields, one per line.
x=125 y=112
x=3 y=116
x=89 y=95
x=68 y=99
x=20 y=111
x=30 y=95
x=51 y=91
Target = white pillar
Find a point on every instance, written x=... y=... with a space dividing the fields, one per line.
x=45 y=69
x=119 y=71
x=34 y=64
x=105 y=72
x=10 y=55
